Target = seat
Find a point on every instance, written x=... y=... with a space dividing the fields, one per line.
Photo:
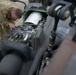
x=12 y=64
x=17 y=58
x=8 y=46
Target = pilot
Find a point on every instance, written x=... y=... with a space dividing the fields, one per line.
x=8 y=14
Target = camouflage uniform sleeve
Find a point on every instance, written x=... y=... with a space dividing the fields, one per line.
x=3 y=21
x=4 y=6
